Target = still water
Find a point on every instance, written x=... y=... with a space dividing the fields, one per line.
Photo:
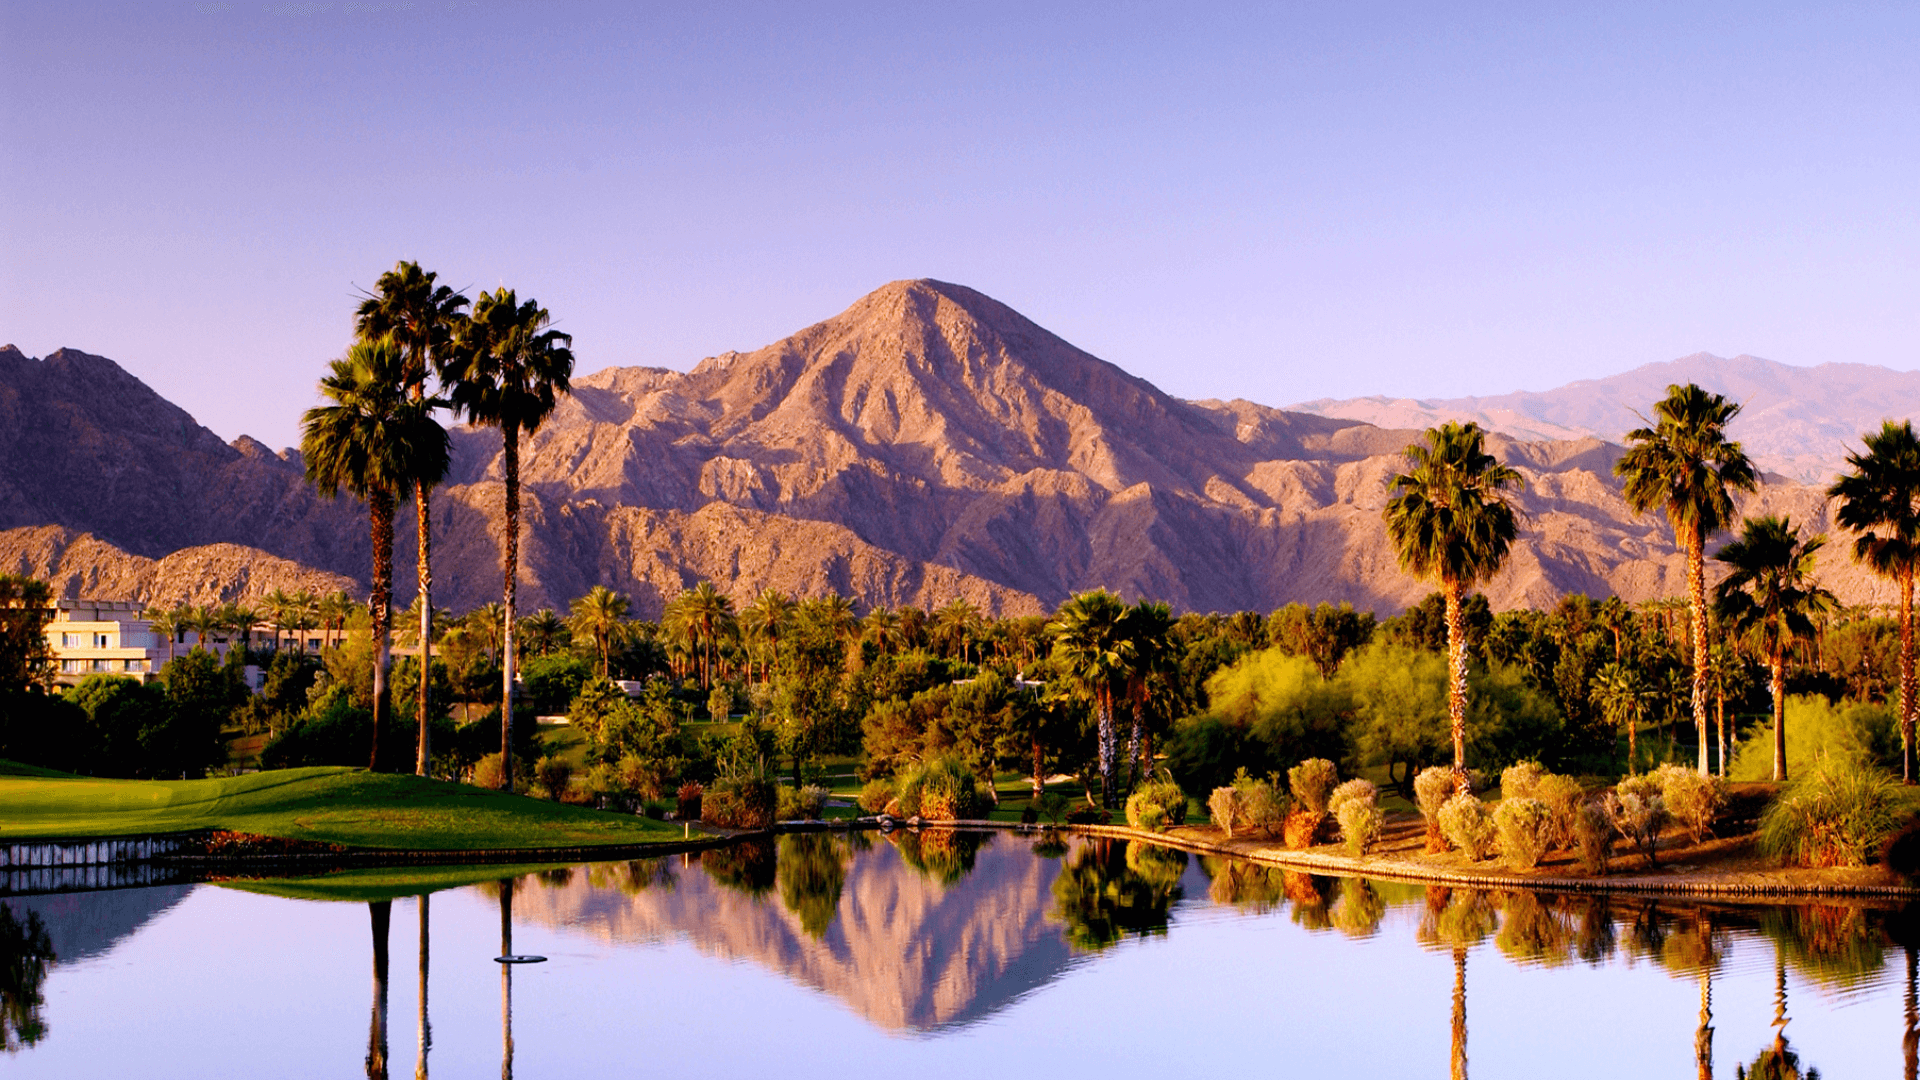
x=943 y=955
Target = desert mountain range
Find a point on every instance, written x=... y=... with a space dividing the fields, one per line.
x=925 y=444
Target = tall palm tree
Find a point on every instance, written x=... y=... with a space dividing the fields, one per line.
x=543 y=632
x=375 y=442
x=956 y=623
x=1450 y=522
x=333 y=609
x=708 y=615
x=1771 y=595
x=484 y=622
x=1880 y=500
x=601 y=615
x=508 y=371
x=764 y=621
x=882 y=627
x=276 y=609
x=421 y=318
x=1091 y=643
x=1148 y=626
x=1686 y=466
x=166 y=622
x=1622 y=694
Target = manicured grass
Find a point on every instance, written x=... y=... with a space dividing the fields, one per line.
x=332 y=805
x=361 y=886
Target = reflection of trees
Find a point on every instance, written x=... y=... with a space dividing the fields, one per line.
x=811 y=874
x=381 y=912
x=1244 y=884
x=747 y=866
x=1051 y=845
x=506 y=887
x=1593 y=935
x=1696 y=947
x=945 y=855
x=1531 y=931
x=632 y=877
x=1457 y=919
x=1101 y=899
x=25 y=954
x=426 y=1033
x=1309 y=894
x=1830 y=944
x=1778 y=1062
x=1359 y=910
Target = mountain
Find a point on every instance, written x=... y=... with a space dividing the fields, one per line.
x=925 y=444
x=1799 y=422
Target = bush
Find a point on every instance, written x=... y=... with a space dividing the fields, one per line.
x=1052 y=806
x=1819 y=729
x=1902 y=851
x=1524 y=826
x=1837 y=814
x=486 y=771
x=720 y=703
x=1358 y=812
x=1089 y=814
x=1225 y=808
x=553 y=774
x=1312 y=783
x=1637 y=812
x=1563 y=797
x=875 y=796
x=1520 y=780
x=739 y=802
x=1352 y=789
x=1262 y=806
x=1465 y=823
x=1029 y=814
x=941 y=788
x=1432 y=787
x=1162 y=800
x=687 y=801
x=1592 y=837
x=806 y=804
x=1692 y=799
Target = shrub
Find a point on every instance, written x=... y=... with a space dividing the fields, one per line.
x=1563 y=797
x=739 y=802
x=805 y=804
x=1262 y=807
x=719 y=702
x=1637 y=812
x=1523 y=825
x=1432 y=787
x=1592 y=837
x=1902 y=851
x=1312 y=782
x=486 y=771
x=1225 y=808
x=940 y=788
x=1465 y=823
x=1838 y=814
x=1352 y=789
x=875 y=796
x=603 y=782
x=1692 y=799
x=1088 y=814
x=553 y=774
x=1162 y=800
x=1052 y=806
x=1029 y=814
x=1360 y=818
x=1521 y=780
x=688 y=801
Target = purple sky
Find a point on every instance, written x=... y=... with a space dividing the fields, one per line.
x=1272 y=202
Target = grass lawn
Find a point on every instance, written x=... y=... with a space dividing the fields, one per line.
x=332 y=805
x=361 y=886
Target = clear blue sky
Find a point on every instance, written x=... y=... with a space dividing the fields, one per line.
x=1278 y=202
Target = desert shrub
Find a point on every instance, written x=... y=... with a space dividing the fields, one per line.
x=1837 y=814
x=687 y=801
x=1524 y=826
x=1592 y=837
x=739 y=802
x=875 y=796
x=1225 y=808
x=1520 y=780
x=720 y=702
x=553 y=774
x=1692 y=799
x=1089 y=814
x=1432 y=787
x=1312 y=782
x=1637 y=812
x=1352 y=789
x=1358 y=812
x=941 y=788
x=1563 y=797
x=1465 y=823
x=1162 y=800
x=1262 y=806
x=804 y=804
x=486 y=771
x=1818 y=728
x=1029 y=814
x=1902 y=851
x=1052 y=806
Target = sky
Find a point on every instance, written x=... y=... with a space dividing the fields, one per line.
x=1279 y=202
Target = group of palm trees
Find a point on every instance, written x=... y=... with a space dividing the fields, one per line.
x=281 y=612
x=1451 y=521
x=418 y=351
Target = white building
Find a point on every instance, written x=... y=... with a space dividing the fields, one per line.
x=114 y=637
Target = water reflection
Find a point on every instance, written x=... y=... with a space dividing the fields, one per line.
x=381 y=912
x=1111 y=890
x=26 y=952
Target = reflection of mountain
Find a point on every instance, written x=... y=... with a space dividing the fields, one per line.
x=903 y=950
x=89 y=924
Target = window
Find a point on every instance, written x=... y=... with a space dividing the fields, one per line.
x=135 y=665
x=102 y=665
x=100 y=641
x=70 y=666
x=69 y=641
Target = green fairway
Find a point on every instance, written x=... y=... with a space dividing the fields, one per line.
x=332 y=805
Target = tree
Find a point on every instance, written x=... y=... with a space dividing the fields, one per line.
x=1148 y=626
x=601 y=615
x=375 y=442
x=1771 y=595
x=707 y=614
x=1622 y=695
x=764 y=621
x=544 y=632
x=26 y=606
x=955 y=625
x=1093 y=649
x=1880 y=500
x=1686 y=466
x=421 y=318
x=1450 y=523
x=508 y=370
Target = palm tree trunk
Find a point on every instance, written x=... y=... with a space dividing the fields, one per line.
x=1777 y=682
x=1703 y=1035
x=510 y=471
x=1633 y=742
x=381 y=912
x=1458 y=1063
x=425 y=1039
x=1697 y=598
x=1720 y=717
x=1457 y=681
x=380 y=610
x=1109 y=763
x=1910 y=1039
x=1134 y=766
x=1039 y=777
x=423 y=755
x=1906 y=676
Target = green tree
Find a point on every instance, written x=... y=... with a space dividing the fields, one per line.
x=1880 y=500
x=1622 y=694
x=1093 y=650
x=763 y=622
x=1771 y=595
x=1148 y=626
x=601 y=615
x=708 y=616
x=544 y=632
x=1450 y=522
x=26 y=606
x=376 y=442
x=508 y=370
x=1686 y=466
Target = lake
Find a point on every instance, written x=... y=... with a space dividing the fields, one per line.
x=937 y=955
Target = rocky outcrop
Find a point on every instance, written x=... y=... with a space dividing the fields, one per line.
x=79 y=564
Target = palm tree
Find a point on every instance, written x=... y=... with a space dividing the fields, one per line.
x=375 y=442
x=1148 y=626
x=485 y=624
x=1450 y=523
x=1095 y=651
x=601 y=615
x=882 y=627
x=169 y=623
x=421 y=318
x=543 y=632
x=1880 y=500
x=1622 y=695
x=277 y=608
x=333 y=609
x=765 y=620
x=955 y=624
x=1771 y=594
x=1686 y=466
x=508 y=371
x=707 y=614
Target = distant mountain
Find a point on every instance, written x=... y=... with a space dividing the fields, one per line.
x=925 y=444
x=1799 y=422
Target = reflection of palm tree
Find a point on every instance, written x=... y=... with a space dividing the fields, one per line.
x=426 y=1032
x=1100 y=899
x=25 y=954
x=1457 y=1061
x=382 y=913
x=1457 y=919
x=811 y=877
x=1910 y=1041
x=506 y=979
x=1778 y=1062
